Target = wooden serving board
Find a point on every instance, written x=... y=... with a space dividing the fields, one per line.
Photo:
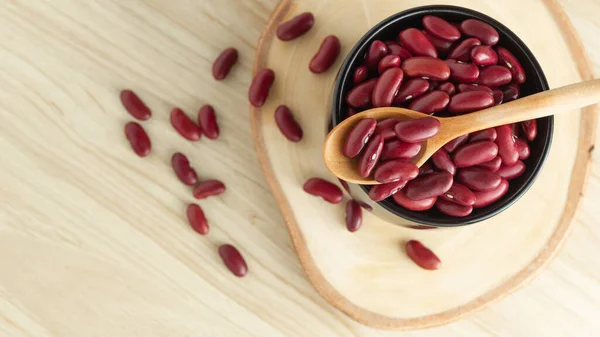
x=367 y=274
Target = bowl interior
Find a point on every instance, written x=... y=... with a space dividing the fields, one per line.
x=536 y=82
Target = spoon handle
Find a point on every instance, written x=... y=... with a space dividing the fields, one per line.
x=546 y=103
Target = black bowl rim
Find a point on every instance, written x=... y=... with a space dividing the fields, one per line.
x=344 y=75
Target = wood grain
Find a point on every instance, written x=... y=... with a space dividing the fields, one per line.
x=93 y=240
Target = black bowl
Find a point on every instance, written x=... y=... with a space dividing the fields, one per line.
x=536 y=82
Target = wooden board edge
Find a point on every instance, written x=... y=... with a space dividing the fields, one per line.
x=588 y=122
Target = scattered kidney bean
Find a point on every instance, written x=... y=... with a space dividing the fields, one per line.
x=396 y=49
x=422 y=255
x=233 y=260
x=459 y=194
x=480 y=30
x=383 y=191
x=138 y=139
x=208 y=122
x=470 y=101
x=507 y=59
x=135 y=106
x=529 y=129
x=466 y=87
x=385 y=128
x=426 y=67
x=364 y=205
x=417 y=43
x=360 y=95
x=372 y=153
x=411 y=89
x=442 y=161
x=395 y=170
x=448 y=88
x=484 y=56
x=498 y=96
x=511 y=172
x=260 y=87
x=183 y=170
x=397 y=149
x=353 y=215
x=197 y=219
x=462 y=72
x=506 y=145
x=511 y=92
x=287 y=124
x=427 y=186
x=431 y=102
x=360 y=74
x=184 y=125
x=377 y=50
x=487 y=134
x=478 y=179
x=359 y=136
x=414 y=205
x=386 y=87
x=324 y=189
x=388 y=61
x=494 y=76
x=522 y=149
x=440 y=28
x=456 y=143
x=492 y=165
x=485 y=198
x=462 y=51
x=344 y=185
x=326 y=55
x=295 y=27
x=224 y=62
x=417 y=130
x=452 y=208
x=475 y=153
x=208 y=188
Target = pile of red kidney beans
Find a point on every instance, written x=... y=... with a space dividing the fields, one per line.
x=444 y=69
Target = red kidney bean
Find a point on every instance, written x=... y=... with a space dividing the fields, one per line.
x=135 y=106
x=385 y=128
x=511 y=92
x=411 y=89
x=459 y=194
x=452 y=209
x=529 y=129
x=422 y=255
x=470 y=101
x=326 y=55
x=417 y=43
x=431 y=102
x=413 y=205
x=511 y=172
x=462 y=51
x=371 y=156
x=427 y=67
x=456 y=143
x=324 y=189
x=377 y=50
x=183 y=170
x=224 y=62
x=484 y=56
x=522 y=149
x=494 y=76
x=507 y=59
x=397 y=149
x=388 y=61
x=426 y=169
x=233 y=260
x=359 y=136
x=296 y=27
x=487 y=134
x=485 y=198
x=478 y=179
x=184 y=125
x=475 y=153
x=353 y=215
x=287 y=124
x=442 y=161
x=260 y=87
x=481 y=30
x=440 y=28
x=208 y=122
x=464 y=87
x=208 y=188
x=138 y=139
x=364 y=205
x=396 y=49
x=395 y=170
x=427 y=186
x=498 y=96
x=360 y=95
x=441 y=46
x=462 y=72
x=506 y=145
x=344 y=185
x=383 y=191
x=386 y=87
x=197 y=219
x=492 y=165
x=417 y=130
x=448 y=88
x=351 y=112
x=360 y=75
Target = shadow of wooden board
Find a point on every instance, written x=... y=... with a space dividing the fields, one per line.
x=366 y=274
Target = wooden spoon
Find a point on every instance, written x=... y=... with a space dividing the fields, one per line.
x=539 y=105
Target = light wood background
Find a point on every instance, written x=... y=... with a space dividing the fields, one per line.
x=93 y=240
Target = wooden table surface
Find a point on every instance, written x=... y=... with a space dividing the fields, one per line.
x=93 y=240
